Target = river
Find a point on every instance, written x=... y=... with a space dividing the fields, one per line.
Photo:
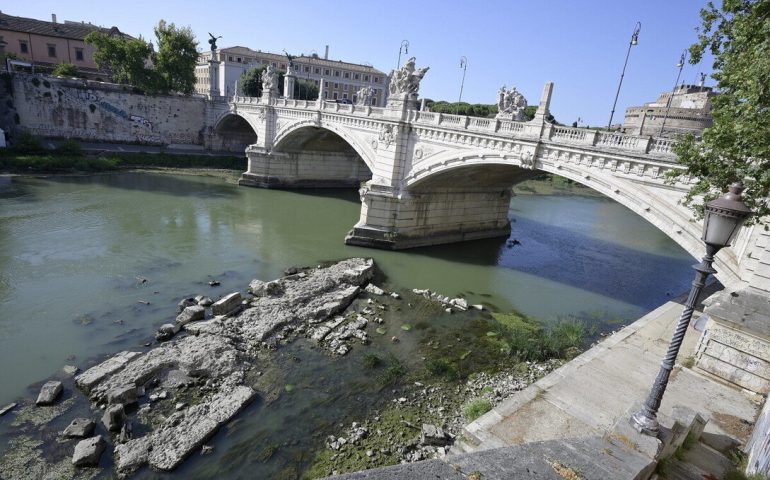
x=92 y=265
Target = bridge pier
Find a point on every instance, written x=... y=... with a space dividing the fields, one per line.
x=396 y=220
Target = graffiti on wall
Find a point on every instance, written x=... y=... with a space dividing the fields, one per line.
x=90 y=96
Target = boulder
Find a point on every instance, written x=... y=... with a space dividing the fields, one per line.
x=79 y=428
x=257 y=288
x=184 y=303
x=88 y=379
x=165 y=332
x=433 y=435
x=70 y=369
x=204 y=301
x=190 y=314
x=227 y=304
x=7 y=408
x=88 y=451
x=114 y=417
x=49 y=392
x=374 y=290
x=124 y=394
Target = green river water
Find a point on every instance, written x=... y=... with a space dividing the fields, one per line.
x=93 y=265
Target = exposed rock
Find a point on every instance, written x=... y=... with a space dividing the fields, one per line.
x=49 y=392
x=374 y=290
x=206 y=449
x=94 y=375
x=166 y=332
x=79 y=428
x=433 y=435
x=204 y=301
x=7 y=408
x=114 y=417
x=70 y=369
x=395 y=295
x=478 y=306
x=123 y=394
x=226 y=304
x=184 y=303
x=190 y=314
x=88 y=451
x=175 y=379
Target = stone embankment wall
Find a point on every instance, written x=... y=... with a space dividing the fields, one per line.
x=102 y=112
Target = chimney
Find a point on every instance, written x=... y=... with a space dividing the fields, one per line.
x=326 y=55
x=53 y=17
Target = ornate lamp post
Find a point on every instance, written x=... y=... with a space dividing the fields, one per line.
x=676 y=82
x=405 y=47
x=723 y=219
x=463 y=65
x=634 y=41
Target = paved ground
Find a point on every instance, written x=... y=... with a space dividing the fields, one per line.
x=590 y=394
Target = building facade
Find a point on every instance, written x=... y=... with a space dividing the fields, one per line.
x=342 y=80
x=47 y=44
x=687 y=109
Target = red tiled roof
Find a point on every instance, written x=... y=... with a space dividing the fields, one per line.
x=71 y=30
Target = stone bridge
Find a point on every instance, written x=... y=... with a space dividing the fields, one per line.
x=429 y=178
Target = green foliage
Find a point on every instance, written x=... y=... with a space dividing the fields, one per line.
x=66 y=70
x=176 y=57
x=443 y=368
x=527 y=340
x=26 y=143
x=393 y=372
x=70 y=147
x=462 y=108
x=250 y=84
x=476 y=408
x=124 y=59
x=128 y=60
x=372 y=360
x=737 y=146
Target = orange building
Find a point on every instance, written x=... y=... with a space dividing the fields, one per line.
x=47 y=44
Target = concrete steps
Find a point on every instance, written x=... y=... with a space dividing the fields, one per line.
x=697 y=463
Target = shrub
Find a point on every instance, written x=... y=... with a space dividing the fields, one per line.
x=27 y=143
x=371 y=360
x=476 y=408
x=70 y=147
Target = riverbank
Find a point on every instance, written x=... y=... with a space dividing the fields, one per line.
x=159 y=404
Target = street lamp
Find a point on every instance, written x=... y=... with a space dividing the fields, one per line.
x=724 y=217
x=673 y=92
x=634 y=41
x=463 y=65
x=405 y=47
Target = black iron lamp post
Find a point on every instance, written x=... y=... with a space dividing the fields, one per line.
x=679 y=65
x=405 y=48
x=723 y=219
x=634 y=41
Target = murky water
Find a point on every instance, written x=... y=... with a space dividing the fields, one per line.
x=93 y=265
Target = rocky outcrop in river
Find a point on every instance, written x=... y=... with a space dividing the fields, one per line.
x=207 y=375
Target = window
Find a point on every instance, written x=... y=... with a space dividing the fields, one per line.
x=334 y=96
x=238 y=59
x=23 y=46
x=275 y=64
x=336 y=85
x=283 y=66
x=326 y=71
x=347 y=75
x=366 y=78
x=345 y=96
x=326 y=94
x=230 y=58
x=317 y=70
x=307 y=69
x=355 y=98
x=79 y=54
x=374 y=101
x=317 y=82
x=357 y=76
x=376 y=79
x=52 y=50
x=345 y=86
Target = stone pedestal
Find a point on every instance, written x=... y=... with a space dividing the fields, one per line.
x=288 y=85
x=213 y=78
x=735 y=344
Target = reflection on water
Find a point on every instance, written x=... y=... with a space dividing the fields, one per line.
x=93 y=265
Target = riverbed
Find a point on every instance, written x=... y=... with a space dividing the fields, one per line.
x=93 y=265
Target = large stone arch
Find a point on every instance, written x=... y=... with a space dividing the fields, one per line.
x=656 y=203
x=233 y=132
x=306 y=154
x=363 y=149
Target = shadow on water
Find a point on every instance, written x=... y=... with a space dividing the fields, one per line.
x=348 y=194
x=155 y=183
x=574 y=259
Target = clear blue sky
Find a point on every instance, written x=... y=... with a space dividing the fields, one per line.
x=578 y=45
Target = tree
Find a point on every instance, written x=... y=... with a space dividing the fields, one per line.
x=125 y=59
x=250 y=84
x=66 y=70
x=176 y=57
x=737 y=146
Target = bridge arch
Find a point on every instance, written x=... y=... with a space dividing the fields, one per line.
x=361 y=148
x=233 y=132
x=493 y=171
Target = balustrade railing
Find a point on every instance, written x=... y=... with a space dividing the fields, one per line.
x=451 y=119
x=661 y=146
x=569 y=134
x=425 y=117
x=509 y=126
x=480 y=123
x=617 y=140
